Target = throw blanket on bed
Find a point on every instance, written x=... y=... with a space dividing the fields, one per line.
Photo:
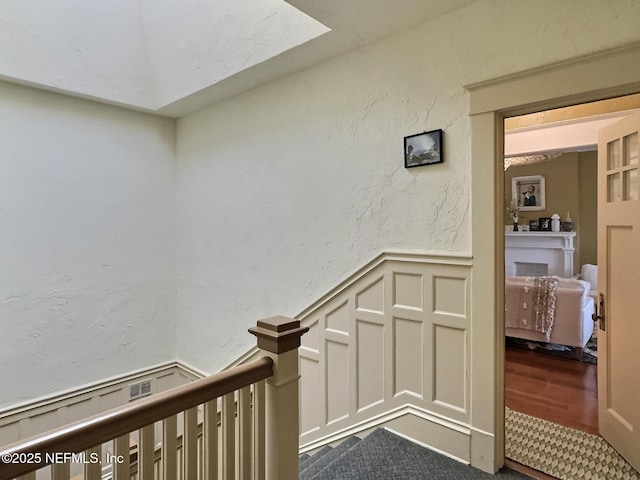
x=530 y=303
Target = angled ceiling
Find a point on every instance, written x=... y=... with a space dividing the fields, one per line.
x=173 y=57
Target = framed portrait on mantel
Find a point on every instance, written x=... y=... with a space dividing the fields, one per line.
x=544 y=224
x=534 y=225
x=528 y=193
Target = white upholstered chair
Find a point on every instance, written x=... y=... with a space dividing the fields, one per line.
x=573 y=325
x=589 y=274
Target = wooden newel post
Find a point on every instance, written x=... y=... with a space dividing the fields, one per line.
x=279 y=338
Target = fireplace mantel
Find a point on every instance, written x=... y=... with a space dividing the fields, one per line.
x=554 y=250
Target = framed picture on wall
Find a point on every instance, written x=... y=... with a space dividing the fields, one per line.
x=528 y=193
x=423 y=149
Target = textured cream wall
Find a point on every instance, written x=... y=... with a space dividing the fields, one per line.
x=87 y=245
x=285 y=189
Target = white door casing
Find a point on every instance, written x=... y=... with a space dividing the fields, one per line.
x=619 y=285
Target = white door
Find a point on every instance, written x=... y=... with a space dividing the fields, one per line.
x=619 y=287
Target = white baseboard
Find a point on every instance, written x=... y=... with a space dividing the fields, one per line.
x=415 y=424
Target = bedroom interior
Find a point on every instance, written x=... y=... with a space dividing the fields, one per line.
x=551 y=274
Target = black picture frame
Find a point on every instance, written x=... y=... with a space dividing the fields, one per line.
x=534 y=225
x=544 y=224
x=424 y=148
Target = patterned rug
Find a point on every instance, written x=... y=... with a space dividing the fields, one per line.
x=562 y=452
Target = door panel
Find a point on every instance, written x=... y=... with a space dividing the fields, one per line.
x=619 y=282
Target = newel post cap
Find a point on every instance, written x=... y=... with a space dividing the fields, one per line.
x=278 y=334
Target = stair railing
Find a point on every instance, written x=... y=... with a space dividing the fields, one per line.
x=254 y=435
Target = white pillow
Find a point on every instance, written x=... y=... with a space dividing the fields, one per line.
x=590 y=274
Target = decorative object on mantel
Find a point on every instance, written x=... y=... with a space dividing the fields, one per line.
x=423 y=149
x=544 y=224
x=514 y=209
x=528 y=193
x=567 y=224
x=534 y=226
x=555 y=223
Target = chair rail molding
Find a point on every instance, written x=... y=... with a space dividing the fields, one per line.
x=399 y=255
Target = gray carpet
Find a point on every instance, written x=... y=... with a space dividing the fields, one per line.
x=383 y=455
x=310 y=459
x=327 y=459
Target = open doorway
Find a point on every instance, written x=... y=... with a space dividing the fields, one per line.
x=590 y=78
x=552 y=156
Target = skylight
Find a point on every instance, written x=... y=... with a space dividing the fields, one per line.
x=143 y=53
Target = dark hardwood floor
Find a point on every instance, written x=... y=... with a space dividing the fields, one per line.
x=560 y=390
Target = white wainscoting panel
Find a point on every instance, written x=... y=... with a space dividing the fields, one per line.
x=337 y=380
x=408 y=291
x=407 y=346
x=370 y=353
x=450 y=362
x=391 y=343
x=55 y=411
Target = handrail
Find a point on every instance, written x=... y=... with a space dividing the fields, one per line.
x=79 y=436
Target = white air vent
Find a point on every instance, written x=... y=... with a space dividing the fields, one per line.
x=139 y=389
